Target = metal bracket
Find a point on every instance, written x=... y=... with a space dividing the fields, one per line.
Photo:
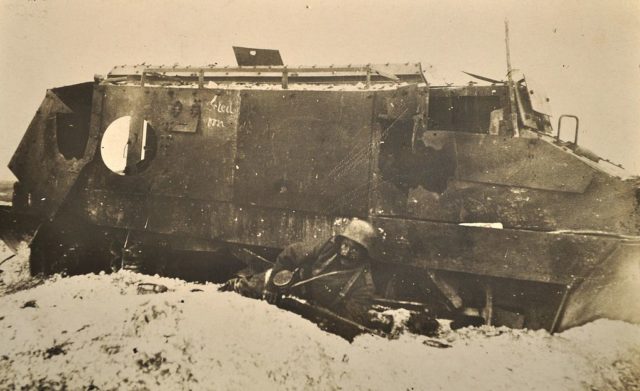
x=575 y=141
x=450 y=292
x=487 y=311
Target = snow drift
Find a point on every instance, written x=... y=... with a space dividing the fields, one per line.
x=100 y=332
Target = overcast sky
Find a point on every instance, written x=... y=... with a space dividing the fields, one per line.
x=586 y=54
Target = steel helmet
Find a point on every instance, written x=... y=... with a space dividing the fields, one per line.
x=360 y=232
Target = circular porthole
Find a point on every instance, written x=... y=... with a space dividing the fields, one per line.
x=126 y=150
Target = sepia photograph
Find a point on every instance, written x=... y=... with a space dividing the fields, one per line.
x=320 y=195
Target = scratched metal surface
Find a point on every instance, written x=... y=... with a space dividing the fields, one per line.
x=258 y=226
x=305 y=150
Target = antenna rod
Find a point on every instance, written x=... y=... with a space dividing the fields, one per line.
x=512 y=87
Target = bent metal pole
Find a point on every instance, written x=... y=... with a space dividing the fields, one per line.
x=512 y=87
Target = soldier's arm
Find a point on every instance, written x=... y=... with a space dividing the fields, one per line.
x=290 y=258
x=297 y=254
x=359 y=301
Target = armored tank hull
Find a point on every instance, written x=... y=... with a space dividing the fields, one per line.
x=482 y=212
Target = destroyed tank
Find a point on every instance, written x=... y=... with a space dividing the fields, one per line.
x=482 y=209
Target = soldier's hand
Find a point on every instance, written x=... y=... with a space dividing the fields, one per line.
x=230 y=286
x=271 y=296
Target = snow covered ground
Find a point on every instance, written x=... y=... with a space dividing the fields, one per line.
x=101 y=332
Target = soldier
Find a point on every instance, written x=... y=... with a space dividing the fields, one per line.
x=334 y=274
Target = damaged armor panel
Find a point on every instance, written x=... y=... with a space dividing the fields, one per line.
x=404 y=162
x=463 y=177
x=55 y=148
